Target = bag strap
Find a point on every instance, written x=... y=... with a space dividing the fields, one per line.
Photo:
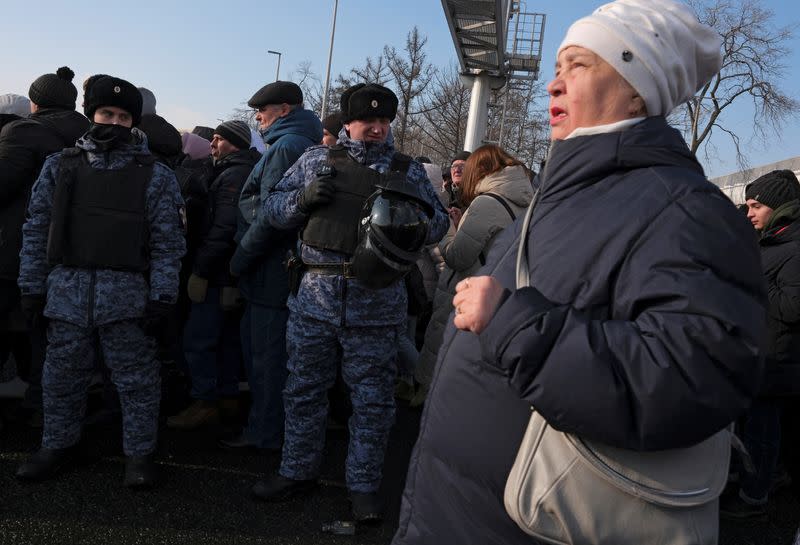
x=523 y=272
x=502 y=201
x=55 y=129
x=400 y=162
x=594 y=458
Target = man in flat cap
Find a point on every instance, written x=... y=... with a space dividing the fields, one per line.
x=211 y=343
x=288 y=129
x=24 y=144
x=100 y=258
x=345 y=301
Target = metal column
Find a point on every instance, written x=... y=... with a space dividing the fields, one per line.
x=478 y=112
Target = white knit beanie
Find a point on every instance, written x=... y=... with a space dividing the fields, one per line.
x=658 y=46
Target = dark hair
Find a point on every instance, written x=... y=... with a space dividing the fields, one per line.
x=482 y=162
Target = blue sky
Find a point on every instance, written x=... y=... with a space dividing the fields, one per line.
x=204 y=58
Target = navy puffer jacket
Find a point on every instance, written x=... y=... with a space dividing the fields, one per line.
x=644 y=328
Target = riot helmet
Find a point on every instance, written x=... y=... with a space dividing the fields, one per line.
x=392 y=231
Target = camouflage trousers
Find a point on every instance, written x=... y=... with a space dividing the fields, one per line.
x=368 y=357
x=68 y=369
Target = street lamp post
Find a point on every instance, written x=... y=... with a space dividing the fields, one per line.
x=330 y=56
x=277 y=70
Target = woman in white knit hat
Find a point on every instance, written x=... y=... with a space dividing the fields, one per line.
x=642 y=326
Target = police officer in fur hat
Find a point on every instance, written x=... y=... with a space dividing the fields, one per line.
x=344 y=300
x=102 y=266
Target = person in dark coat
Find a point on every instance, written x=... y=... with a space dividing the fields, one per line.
x=260 y=260
x=211 y=336
x=773 y=202
x=644 y=324
x=165 y=143
x=163 y=138
x=24 y=145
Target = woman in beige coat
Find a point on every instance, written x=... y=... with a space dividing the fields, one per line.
x=496 y=189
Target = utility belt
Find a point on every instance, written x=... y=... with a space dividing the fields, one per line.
x=333 y=269
x=295 y=266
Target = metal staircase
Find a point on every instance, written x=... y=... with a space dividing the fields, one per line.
x=497 y=41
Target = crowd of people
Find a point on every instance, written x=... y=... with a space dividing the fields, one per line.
x=615 y=291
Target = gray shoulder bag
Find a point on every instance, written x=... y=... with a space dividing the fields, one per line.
x=568 y=490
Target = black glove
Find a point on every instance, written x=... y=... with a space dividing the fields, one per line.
x=317 y=193
x=155 y=314
x=32 y=308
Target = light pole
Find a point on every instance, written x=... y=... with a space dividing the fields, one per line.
x=330 y=56
x=277 y=70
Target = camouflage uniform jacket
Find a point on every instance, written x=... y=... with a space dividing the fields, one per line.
x=90 y=297
x=331 y=298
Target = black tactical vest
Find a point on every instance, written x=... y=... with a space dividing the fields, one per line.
x=99 y=217
x=335 y=226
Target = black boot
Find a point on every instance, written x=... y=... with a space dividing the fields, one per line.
x=276 y=488
x=45 y=464
x=140 y=472
x=366 y=506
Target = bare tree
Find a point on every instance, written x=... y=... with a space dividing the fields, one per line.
x=411 y=73
x=310 y=84
x=305 y=78
x=373 y=71
x=518 y=123
x=442 y=118
x=245 y=113
x=433 y=104
x=753 y=50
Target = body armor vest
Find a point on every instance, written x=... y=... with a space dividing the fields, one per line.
x=335 y=226
x=99 y=217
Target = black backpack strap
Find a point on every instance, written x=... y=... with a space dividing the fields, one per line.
x=336 y=154
x=147 y=159
x=71 y=159
x=52 y=127
x=400 y=162
x=71 y=152
x=502 y=201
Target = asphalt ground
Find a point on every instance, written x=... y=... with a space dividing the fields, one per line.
x=204 y=496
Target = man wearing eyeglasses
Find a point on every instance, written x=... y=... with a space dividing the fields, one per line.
x=288 y=129
x=453 y=189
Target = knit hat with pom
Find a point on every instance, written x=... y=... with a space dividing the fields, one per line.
x=54 y=90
